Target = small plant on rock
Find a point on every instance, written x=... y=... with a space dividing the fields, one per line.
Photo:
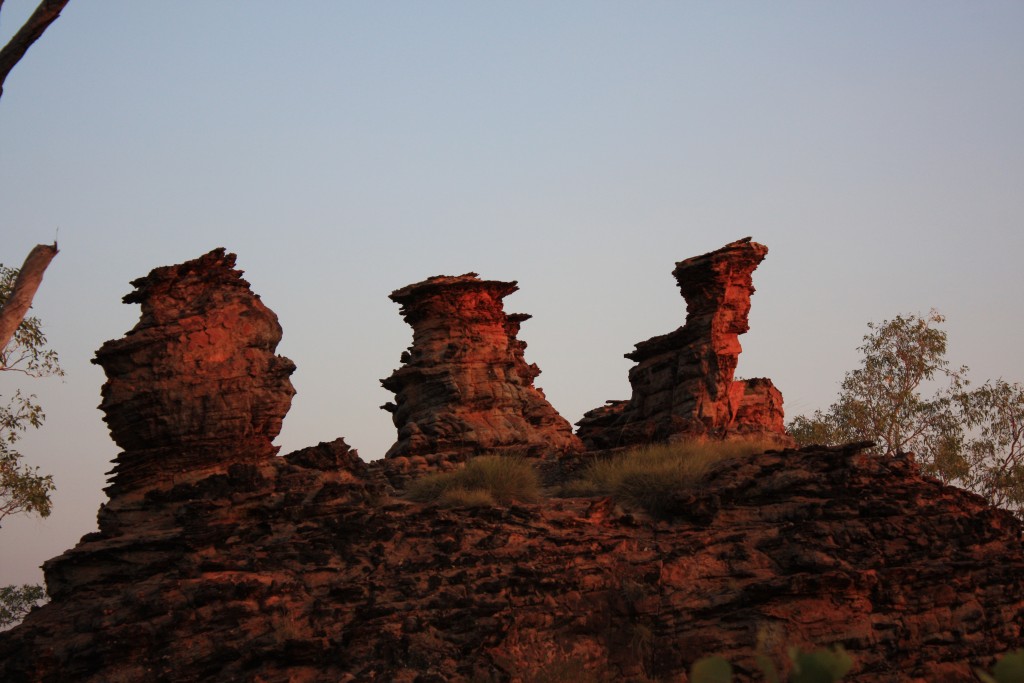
x=1009 y=669
x=818 y=666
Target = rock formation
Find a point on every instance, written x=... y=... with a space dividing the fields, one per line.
x=297 y=575
x=465 y=387
x=217 y=562
x=195 y=385
x=683 y=383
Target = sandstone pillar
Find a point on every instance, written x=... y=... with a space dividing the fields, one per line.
x=464 y=386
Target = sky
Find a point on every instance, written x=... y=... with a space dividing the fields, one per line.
x=343 y=150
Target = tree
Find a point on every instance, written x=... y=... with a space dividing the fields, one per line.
x=994 y=451
x=23 y=490
x=881 y=401
x=17 y=601
x=34 y=27
x=973 y=439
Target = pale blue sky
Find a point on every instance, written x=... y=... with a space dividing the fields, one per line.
x=343 y=150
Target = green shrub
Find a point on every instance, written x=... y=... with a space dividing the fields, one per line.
x=651 y=477
x=1009 y=669
x=485 y=480
x=711 y=670
x=818 y=666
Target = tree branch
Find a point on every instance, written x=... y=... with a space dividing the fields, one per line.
x=25 y=286
x=33 y=29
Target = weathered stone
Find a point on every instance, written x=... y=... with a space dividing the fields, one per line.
x=300 y=577
x=683 y=385
x=465 y=387
x=195 y=385
x=238 y=566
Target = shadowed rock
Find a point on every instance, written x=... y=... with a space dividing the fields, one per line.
x=465 y=387
x=217 y=562
x=195 y=385
x=683 y=383
x=295 y=579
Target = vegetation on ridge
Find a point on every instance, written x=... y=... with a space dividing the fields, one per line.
x=484 y=480
x=651 y=477
x=969 y=438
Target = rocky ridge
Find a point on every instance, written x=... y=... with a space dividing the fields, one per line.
x=300 y=570
x=216 y=560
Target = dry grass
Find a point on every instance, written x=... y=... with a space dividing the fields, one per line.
x=460 y=497
x=651 y=477
x=484 y=480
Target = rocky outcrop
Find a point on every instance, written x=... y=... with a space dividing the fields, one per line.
x=682 y=382
x=216 y=561
x=195 y=386
x=465 y=387
x=296 y=574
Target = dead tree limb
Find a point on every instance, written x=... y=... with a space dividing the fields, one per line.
x=29 y=277
x=30 y=32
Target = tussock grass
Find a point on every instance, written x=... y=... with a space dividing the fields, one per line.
x=651 y=477
x=460 y=497
x=484 y=480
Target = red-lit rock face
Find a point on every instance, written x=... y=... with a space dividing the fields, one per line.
x=195 y=384
x=465 y=387
x=217 y=562
x=296 y=575
x=683 y=383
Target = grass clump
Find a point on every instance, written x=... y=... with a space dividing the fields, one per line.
x=652 y=477
x=484 y=480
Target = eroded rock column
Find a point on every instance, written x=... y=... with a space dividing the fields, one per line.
x=195 y=386
x=464 y=386
x=683 y=381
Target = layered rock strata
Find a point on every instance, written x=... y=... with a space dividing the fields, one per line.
x=465 y=387
x=682 y=382
x=295 y=573
x=216 y=562
x=195 y=386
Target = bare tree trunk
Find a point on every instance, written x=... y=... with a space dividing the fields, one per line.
x=25 y=286
x=20 y=42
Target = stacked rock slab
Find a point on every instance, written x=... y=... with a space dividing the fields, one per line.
x=195 y=385
x=465 y=387
x=296 y=579
x=237 y=566
x=683 y=383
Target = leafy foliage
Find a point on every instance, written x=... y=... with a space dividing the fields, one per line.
x=26 y=352
x=881 y=400
x=23 y=490
x=1009 y=669
x=711 y=670
x=651 y=477
x=817 y=666
x=487 y=478
x=973 y=439
x=18 y=601
x=992 y=462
